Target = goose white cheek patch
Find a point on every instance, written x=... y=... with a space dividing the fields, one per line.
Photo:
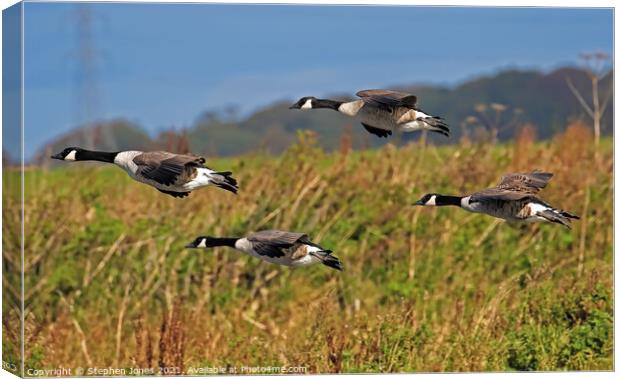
x=431 y=201
x=70 y=156
x=203 y=243
x=307 y=104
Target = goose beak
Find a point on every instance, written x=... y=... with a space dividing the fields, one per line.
x=57 y=156
x=294 y=106
x=419 y=202
x=190 y=246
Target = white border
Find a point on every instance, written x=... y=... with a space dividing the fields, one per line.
x=444 y=3
x=481 y=3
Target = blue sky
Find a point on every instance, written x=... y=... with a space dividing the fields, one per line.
x=161 y=65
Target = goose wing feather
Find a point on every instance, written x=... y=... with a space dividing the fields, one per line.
x=498 y=194
x=271 y=242
x=388 y=98
x=166 y=168
x=267 y=250
x=515 y=186
x=531 y=182
x=277 y=237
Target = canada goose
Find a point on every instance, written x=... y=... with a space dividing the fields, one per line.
x=275 y=246
x=381 y=112
x=173 y=174
x=513 y=199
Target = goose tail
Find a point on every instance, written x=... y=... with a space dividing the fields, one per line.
x=224 y=180
x=326 y=257
x=558 y=216
x=435 y=124
x=568 y=215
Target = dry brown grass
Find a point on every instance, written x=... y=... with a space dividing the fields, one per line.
x=422 y=290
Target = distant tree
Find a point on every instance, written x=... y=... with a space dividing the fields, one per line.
x=595 y=69
x=183 y=145
x=230 y=113
x=492 y=118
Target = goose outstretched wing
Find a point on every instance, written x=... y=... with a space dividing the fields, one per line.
x=531 y=182
x=515 y=186
x=498 y=194
x=271 y=242
x=166 y=168
x=387 y=98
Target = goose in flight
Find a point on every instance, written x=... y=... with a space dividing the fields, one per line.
x=513 y=199
x=381 y=112
x=275 y=246
x=173 y=174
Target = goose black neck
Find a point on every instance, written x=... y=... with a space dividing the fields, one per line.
x=101 y=156
x=326 y=103
x=442 y=200
x=225 y=241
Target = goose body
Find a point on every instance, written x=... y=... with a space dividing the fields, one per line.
x=173 y=174
x=381 y=112
x=275 y=246
x=514 y=199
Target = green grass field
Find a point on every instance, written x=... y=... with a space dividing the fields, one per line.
x=109 y=283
